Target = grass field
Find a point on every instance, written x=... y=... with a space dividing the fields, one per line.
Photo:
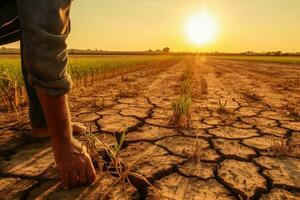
x=275 y=59
x=79 y=66
x=81 y=69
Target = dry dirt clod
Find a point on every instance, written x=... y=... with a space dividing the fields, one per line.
x=86 y=117
x=33 y=160
x=233 y=133
x=260 y=121
x=174 y=187
x=291 y=125
x=151 y=133
x=191 y=148
x=152 y=161
x=117 y=123
x=9 y=140
x=15 y=188
x=52 y=190
x=248 y=150
x=233 y=148
x=280 y=194
x=197 y=169
x=283 y=171
x=137 y=112
x=243 y=177
x=264 y=143
x=276 y=131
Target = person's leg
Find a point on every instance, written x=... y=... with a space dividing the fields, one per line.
x=10 y=32
x=44 y=28
x=36 y=114
x=37 y=118
x=37 y=55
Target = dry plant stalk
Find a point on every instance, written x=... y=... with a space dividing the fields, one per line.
x=196 y=154
x=116 y=166
x=281 y=148
x=222 y=107
x=10 y=106
x=13 y=95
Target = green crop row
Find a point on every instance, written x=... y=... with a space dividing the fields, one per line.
x=81 y=68
x=274 y=59
x=78 y=67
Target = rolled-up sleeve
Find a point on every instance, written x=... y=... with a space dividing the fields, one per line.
x=45 y=26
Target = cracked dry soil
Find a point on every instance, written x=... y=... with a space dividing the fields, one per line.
x=237 y=154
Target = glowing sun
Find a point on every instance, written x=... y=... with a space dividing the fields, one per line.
x=201 y=29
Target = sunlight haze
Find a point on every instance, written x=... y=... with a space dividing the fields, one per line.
x=257 y=25
x=201 y=29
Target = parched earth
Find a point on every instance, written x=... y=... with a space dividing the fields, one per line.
x=250 y=149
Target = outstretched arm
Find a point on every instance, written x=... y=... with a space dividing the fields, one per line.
x=74 y=164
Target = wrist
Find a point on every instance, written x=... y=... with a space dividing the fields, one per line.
x=62 y=140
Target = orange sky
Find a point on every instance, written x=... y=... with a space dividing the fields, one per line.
x=256 y=25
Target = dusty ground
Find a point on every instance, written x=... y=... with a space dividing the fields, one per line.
x=249 y=150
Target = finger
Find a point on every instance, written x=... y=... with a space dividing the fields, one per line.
x=82 y=174
x=73 y=178
x=90 y=171
x=64 y=176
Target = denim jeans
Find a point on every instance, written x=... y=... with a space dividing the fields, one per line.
x=42 y=26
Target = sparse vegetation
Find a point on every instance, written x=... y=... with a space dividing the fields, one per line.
x=222 y=106
x=280 y=148
x=115 y=166
x=182 y=111
x=228 y=134
x=197 y=152
x=84 y=70
x=275 y=59
x=182 y=107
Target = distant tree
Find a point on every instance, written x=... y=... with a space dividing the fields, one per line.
x=278 y=53
x=166 y=50
x=158 y=50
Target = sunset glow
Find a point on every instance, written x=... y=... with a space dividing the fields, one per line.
x=225 y=26
x=201 y=29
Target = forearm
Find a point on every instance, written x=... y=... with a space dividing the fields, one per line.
x=74 y=164
x=57 y=115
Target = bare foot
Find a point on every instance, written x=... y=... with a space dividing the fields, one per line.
x=44 y=133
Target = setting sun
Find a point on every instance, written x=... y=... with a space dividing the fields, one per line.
x=201 y=29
